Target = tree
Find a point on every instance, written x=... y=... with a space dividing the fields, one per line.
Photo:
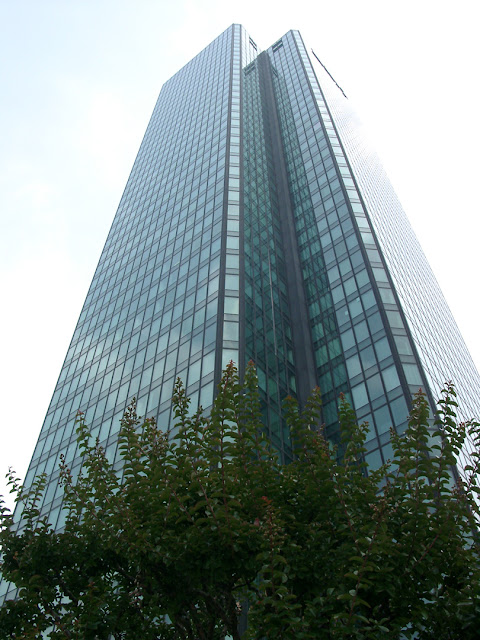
x=192 y=530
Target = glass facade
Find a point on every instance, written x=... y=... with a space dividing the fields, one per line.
x=254 y=226
x=439 y=353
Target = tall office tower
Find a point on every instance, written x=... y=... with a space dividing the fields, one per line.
x=254 y=225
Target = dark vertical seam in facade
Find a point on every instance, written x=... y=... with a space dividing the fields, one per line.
x=346 y=386
x=241 y=232
x=305 y=369
x=223 y=243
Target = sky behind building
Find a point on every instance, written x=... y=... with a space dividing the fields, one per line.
x=79 y=83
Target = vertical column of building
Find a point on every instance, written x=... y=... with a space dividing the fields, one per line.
x=319 y=320
x=230 y=328
x=268 y=329
x=354 y=337
x=293 y=287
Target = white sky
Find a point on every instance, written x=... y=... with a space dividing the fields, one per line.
x=78 y=82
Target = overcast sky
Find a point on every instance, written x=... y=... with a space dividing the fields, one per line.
x=78 y=82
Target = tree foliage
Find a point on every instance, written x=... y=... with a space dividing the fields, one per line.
x=195 y=529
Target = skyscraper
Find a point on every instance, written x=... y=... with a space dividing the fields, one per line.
x=254 y=225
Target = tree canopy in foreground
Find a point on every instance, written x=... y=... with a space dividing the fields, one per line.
x=197 y=529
